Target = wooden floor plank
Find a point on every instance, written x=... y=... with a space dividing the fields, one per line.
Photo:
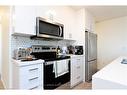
x=81 y=86
x=1 y=85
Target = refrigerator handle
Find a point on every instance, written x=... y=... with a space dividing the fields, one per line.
x=89 y=47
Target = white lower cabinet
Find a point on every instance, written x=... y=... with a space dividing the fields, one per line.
x=76 y=70
x=27 y=77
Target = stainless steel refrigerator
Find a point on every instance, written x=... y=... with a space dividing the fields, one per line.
x=90 y=55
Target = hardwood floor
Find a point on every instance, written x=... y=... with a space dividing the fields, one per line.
x=1 y=85
x=81 y=86
x=66 y=86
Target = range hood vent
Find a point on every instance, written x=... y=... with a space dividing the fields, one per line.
x=45 y=38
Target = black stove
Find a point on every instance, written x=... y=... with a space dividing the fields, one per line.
x=57 y=58
x=49 y=55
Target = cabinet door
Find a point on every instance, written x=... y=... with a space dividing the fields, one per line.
x=89 y=21
x=24 y=20
x=73 y=72
x=70 y=32
x=79 y=69
x=92 y=24
x=30 y=77
x=76 y=70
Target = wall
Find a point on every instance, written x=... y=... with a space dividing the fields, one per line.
x=4 y=12
x=112 y=40
x=0 y=49
x=25 y=42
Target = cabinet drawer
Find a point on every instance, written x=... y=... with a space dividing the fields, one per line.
x=77 y=62
x=78 y=79
x=36 y=88
x=76 y=70
x=75 y=80
x=30 y=83
x=31 y=76
x=31 y=71
x=34 y=83
x=34 y=71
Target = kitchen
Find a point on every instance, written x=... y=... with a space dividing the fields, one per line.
x=20 y=39
x=50 y=45
x=77 y=34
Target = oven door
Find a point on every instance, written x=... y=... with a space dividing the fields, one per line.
x=51 y=79
x=49 y=75
x=61 y=67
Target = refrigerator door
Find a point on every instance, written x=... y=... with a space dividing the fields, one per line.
x=92 y=46
x=92 y=65
x=90 y=55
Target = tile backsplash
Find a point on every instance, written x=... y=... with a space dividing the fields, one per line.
x=20 y=41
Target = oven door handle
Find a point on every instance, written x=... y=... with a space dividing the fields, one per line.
x=48 y=63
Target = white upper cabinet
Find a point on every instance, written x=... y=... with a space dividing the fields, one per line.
x=80 y=27
x=24 y=20
x=89 y=21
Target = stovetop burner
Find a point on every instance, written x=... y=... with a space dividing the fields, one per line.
x=48 y=56
x=59 y=57
x=47 y=53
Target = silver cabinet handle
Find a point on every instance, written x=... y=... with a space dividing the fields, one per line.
x=78 y=59
x=78 y=67
x=35 y=28
x=33 y=87
x=33 y=78
x=33 y=69
x=78 y=77
x=60 y=31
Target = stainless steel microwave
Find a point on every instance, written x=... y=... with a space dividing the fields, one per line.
x=48 y=29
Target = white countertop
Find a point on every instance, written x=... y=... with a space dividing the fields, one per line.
x=26 y=63
x=114 y=72
x=72 y=55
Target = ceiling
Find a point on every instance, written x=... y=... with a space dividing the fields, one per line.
x=102 y=13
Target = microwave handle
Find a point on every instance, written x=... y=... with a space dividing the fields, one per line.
x=60 y=31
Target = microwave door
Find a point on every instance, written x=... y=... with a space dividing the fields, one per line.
x=49 y=30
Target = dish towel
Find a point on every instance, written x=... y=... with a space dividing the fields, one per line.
x=61 y=68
